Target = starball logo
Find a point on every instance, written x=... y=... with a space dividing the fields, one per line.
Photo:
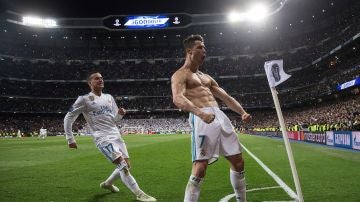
x=356 y=142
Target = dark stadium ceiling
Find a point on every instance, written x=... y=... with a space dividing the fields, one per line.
x=95 y=8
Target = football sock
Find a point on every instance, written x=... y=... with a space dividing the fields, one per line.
x=192 y=191
x=129 y=181
x=237 y=180
x=114 y=175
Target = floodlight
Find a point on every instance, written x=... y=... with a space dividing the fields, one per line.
x=39 y=22
x=257 y=12
x=236 y=16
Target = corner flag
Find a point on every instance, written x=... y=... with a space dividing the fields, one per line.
x=275 y=72
x=276 y=75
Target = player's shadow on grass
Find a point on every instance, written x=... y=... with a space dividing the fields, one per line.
x=99 y=197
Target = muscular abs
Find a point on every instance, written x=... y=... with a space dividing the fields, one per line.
x=198 y=90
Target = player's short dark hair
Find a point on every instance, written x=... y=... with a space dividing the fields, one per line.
x=91 y=73
x=190 y=40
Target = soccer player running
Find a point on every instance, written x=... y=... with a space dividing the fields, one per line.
x=101 y=113
x=212 y=131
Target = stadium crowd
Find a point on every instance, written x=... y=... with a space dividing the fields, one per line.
x=339 y=114
x=225 y=61
x=40 y=80
x=331 y=115
x=312 y=38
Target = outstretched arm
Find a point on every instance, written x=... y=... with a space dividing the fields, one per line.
x=178 y=87
x=233 y=104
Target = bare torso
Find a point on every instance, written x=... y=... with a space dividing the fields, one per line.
x=197 y=89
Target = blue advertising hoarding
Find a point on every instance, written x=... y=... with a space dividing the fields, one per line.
x=354 y=82
x=343 y=139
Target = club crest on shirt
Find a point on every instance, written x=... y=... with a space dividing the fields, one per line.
x=91 y=98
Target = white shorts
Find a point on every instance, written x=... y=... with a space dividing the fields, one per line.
x=113 y=149
x=208 y=141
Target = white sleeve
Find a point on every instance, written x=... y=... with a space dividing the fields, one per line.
x=115 y=108
x=76 y=109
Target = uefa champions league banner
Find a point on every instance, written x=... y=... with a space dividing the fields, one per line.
x=355 y=140
x=343 y=139
x=330 y=138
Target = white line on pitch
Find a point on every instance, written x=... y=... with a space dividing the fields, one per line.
x=277 y=179
x=262 y=188
x=278 y=201
x=228 y=197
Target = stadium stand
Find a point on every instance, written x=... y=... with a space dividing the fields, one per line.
x=43 y=71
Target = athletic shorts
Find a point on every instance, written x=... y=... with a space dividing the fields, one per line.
x=209 y=141
x=113 y=149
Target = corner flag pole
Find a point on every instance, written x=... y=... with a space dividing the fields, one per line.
x=287 y=144
x=275 y=75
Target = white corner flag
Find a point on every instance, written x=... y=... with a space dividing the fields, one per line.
x=275 y=72
x=276 y=75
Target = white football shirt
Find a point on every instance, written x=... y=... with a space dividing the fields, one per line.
x=101 y=114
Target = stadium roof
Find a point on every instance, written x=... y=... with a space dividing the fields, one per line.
x=284 y=15
x=82 y=8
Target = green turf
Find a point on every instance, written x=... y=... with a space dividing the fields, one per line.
x=46 y=170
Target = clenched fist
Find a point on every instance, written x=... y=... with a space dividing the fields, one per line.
x=122 y=111
x=246 y=117
x=207 y=118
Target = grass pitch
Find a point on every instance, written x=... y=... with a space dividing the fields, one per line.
x=32 y=169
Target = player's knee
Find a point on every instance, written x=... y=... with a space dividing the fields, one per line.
x=199 y=169
x=118 y=160
x=238 y=165
x=200 y=173
x=122 y=165
x=127 y=162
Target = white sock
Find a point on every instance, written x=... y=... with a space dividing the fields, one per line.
x=130 y=181
x=192 y=191
x=237 y=180
x=114 y=175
